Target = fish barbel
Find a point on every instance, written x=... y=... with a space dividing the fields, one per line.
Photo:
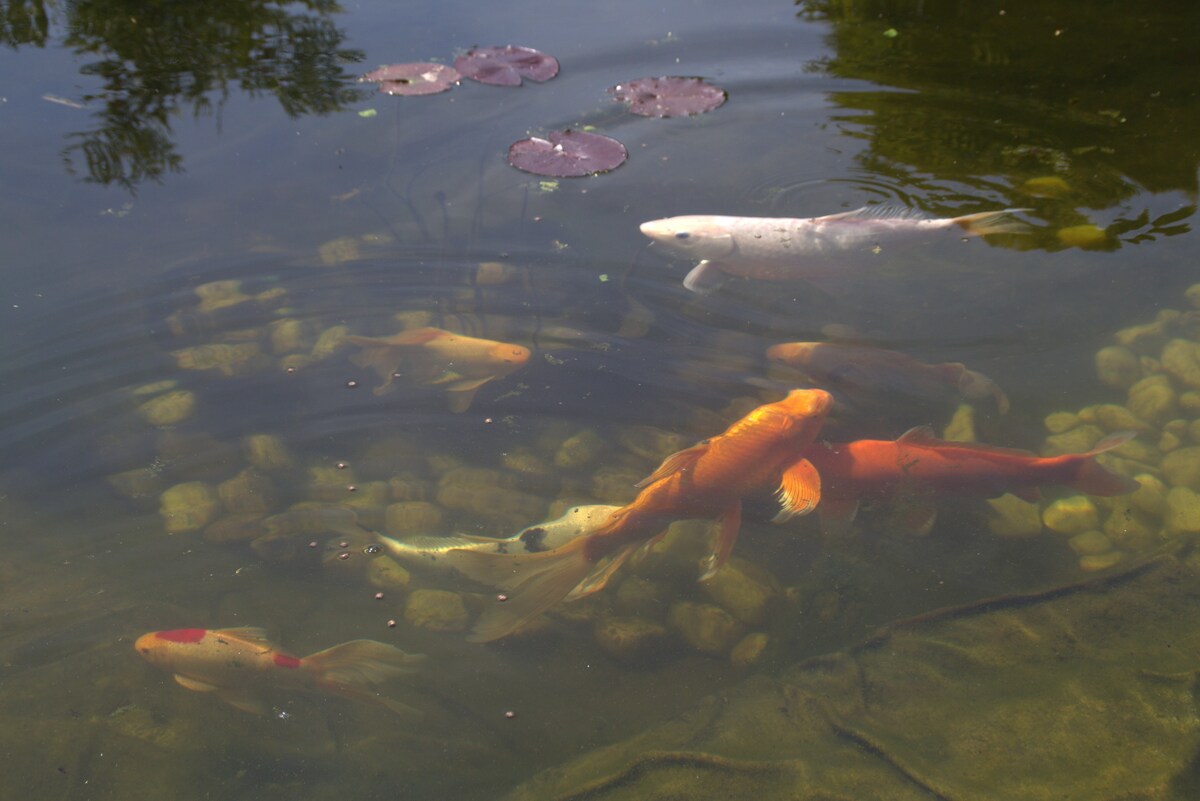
x=785 y=248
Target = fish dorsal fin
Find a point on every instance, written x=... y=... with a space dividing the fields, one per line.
x=192 y=684
x=415 y=336
x=882 y=212
x=681 y=460
x=253 y=634
x=923 y=435
x=918 y=435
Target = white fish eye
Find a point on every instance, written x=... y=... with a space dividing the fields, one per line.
x=682 y=235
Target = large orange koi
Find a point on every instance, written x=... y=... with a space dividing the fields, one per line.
x=708 y=480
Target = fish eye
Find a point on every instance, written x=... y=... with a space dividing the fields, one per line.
x=682 y=235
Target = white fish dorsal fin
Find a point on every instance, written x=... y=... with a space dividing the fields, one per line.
x=882 y=212
x=252 y=634
x=192 y=684
x=680 y=460
x=918 y=435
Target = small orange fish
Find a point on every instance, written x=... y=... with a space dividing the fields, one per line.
x=240 y=665
x=876 y=376
x=872 y=470
x=459 y=364
x=708 y=480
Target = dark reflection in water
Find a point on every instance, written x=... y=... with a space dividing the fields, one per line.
x=1077 y=91
x=156 y=61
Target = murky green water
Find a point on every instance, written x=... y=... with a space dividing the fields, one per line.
x=152 y=151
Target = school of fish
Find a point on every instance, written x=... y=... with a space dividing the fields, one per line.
x=774 y=450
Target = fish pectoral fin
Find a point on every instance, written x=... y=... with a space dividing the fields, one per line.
x=598 y=579
x=460 y=395
x=916 y=514
x=242 y=701
x=680 y=460
x=447 y=376
x=731 y=522
x=192 y=684
x=704 y=278
x=799 y=490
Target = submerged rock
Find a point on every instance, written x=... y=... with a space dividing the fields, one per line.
x=743 y=589
x=248 y=492
x=169 y=409
x=1071 y=515
x=706 y=628
x=188 y=507
x=630 y=639
x=436 y=610
x=749 y=650
x=267 y=452
x=1118 y=367
x=1014 y=517
x=413 y=517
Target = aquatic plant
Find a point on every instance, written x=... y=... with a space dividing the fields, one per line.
x=566 y=154
x=668 y=96
x=506 y=66
x=415 y=78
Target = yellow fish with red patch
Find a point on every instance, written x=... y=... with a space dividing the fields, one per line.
x=241 y=665
x=459 y=364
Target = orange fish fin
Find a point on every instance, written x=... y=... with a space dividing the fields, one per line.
x=993 y=222
x=731 y=522
x=359 y=663
x=534 y=583
x=460 y=395
x=918 y=435
x=923 y=436
x=192 y=684
x=243 y=701
x=598 y=579
x=251 y=634
x=1096 y=479
x=799 y=490
x=680 y=460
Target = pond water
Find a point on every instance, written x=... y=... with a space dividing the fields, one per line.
x=201 y=203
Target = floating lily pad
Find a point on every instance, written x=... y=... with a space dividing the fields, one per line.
x=669 y=96
x=567 y=154
x=505 y=66
x=418 y=78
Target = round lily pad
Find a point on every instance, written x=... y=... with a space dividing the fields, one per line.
x=506 y=66
x=668 y=96
x=567 y=154
x=417 y=78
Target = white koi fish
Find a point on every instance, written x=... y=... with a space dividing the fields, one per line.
x=785 y=249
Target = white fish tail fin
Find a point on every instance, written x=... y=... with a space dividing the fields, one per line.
x=994 y=222
x=534 y=583
x=352 y=668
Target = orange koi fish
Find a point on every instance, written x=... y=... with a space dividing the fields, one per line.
x=883 y=469
x=785 y=249
x=874 y=375
x=457 y=363
x=240 y=665
x=708 y=480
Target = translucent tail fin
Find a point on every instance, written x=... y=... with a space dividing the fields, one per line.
x=350 y=669
x=993 y=222
x=1096 y=479
x=534 y=583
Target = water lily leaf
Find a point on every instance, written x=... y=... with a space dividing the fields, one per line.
x=668 y=96
x=567 y=154
x=505 y=66
x=417 y=78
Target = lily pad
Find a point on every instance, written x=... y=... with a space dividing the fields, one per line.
x=417 y=78
x=567 y=154
x=506 y=66
x=668 y=96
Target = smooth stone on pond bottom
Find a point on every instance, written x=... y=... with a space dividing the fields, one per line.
x=1129 y=528
x=1112 y=417
x=706 y=628
x=1061 y=422
x=1117 y=367
x=267 y=452
x=248 y=492
x=1014 y=517
x=1150 y=496
x=742 y=589
x=188 y=507
x=386 y=573
x=1181 y=358
x=1153 y=399
x=1090 y=542
x=1077 y=440
x=1100 y=561
x=169 y=409
x=1181 y=467
x=579 y=450
x=436 y=610
x=749 y=649
x=1071 y=515
x=413 y=517
x=1183 y=511
x=629 y=639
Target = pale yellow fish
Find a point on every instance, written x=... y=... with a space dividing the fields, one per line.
x=458 y=364
x=784 y=248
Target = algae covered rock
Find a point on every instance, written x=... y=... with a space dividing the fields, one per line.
x=1071 y=515
x=1183 y=511
x=1060 y=422
x=1090 y=542
x=630 y=639
x=1014 y=517
x=249 y=492
x=706 y=628
x=386 y=573
x=436 y=610
x=267 y=452
x=1181 y=467
x=1153 y=399
x=1129 y=528
x=1077 y=440
x=188 y=507
x=413 y=517
x=579 y=451
x=1112 y=417
x=1150 y=496
x=1117 y=367
x=640 y=596
x=1100 y=561
x=169 y=409
x=749 y=649
x=234 y=528
x=1181 y=359
x=743 y=589
x=616 y=484
x=961 y=427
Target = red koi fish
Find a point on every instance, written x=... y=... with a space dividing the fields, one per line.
x=876 y=376
x=708 y=480
x=240 y=665
x=873 y=470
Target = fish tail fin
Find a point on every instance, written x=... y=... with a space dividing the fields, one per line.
x=356 y=665
x=993 y=222
x=1096 y=479
x=534 y=582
